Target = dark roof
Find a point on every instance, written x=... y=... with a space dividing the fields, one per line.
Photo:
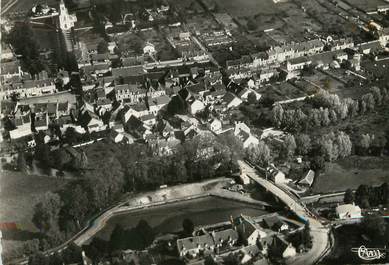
x=228 y=97
x=135 y=126
x=196 y=88
x=180 y=135
x=100 y=56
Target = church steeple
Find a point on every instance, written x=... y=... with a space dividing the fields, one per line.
x=66 y=21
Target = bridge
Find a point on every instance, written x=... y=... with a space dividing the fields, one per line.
x=319 y=233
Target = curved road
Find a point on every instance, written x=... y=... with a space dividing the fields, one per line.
x=319 y=233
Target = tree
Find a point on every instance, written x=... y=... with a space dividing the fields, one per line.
x=102 y=47
x=251 y=98
x=31 y=247
x=72 y=254
x=364 y=143
x=344 y=144
x=368 y=101
x=325 y=118
x=21 y=162
x=259 y=154
x=376 y=92
x=42 y=154
x=362 y=194
x=348 y=196
x=45 y=216
x=289 y=145
x=115 y=11
x=75 y=204
x=188 y=227
x=38 y=259
x=317 y=162
x=22 y=40
x=278 y=115
x=306 y=236
x=374 y=226
x=251 y=25
x=118 y=240
x=303 y=144
x=328 y=147
x=333 y=116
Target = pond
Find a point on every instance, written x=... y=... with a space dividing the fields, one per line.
x=168 y=218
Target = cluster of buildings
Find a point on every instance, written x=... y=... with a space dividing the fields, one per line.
x=245 y=240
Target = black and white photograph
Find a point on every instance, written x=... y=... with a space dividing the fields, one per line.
x=194 y=132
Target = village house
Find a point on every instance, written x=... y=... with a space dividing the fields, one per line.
x=247 y=139
x=245 y=93
x=137 y=110
x=348 y=211
x=224 y=239
x=193 y=247
x=216 y=126
x=308 y=178
x=275 y=223
x=229 y=100
x=90 y=121
x=250 y=231
x=294 y=50
x=283 y=247
x=196 y=106
x=341 y=44
x=157 y=103
x=297 y=63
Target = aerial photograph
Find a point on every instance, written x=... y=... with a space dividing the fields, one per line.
x=194 y=132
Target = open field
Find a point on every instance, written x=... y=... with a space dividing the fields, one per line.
x=18 y=195
x=352 y=172
x=237 y=8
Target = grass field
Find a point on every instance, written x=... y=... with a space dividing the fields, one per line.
x=18 y=195
x=352 y=172
x=237 y=8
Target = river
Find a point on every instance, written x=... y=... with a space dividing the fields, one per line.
x=168 y=218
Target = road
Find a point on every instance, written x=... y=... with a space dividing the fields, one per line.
x=319 y=233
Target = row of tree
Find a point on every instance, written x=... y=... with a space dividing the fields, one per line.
x=325 y=108
x=115 y=169
x=367 y=196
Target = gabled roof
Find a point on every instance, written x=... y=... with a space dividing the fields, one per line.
x=162 y=100
x=196 y=88
x=308 y=179
x=100 y=56
x=228 y=97
x=225 y=235
x=136 y=70
x=195 y=242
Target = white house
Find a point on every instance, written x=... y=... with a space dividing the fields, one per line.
x=149 y=48
x=279 y=178
x=249 y=230
x=247 y=139
x=216 y=126
x=348 y=211
x=196 y=106
x=297 y=63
